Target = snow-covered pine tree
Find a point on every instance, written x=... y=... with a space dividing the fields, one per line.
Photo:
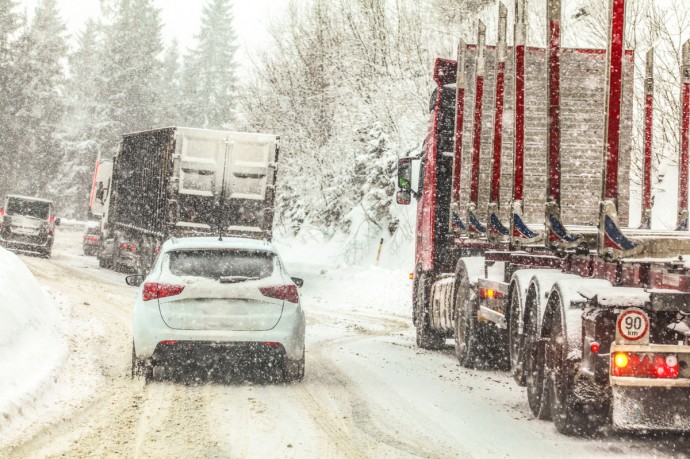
x=132 y=71
x=210 y=81
x=9 y=24
x=41 y=76
x=83 y=122
x=170 y=87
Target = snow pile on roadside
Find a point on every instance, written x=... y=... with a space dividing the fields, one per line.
x=363 y=287
x=32 y=348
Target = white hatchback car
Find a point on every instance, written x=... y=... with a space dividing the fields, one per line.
x=216 y=302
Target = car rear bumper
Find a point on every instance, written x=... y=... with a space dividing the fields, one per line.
x=150 y=331
x=212 y=354
x=27 y=243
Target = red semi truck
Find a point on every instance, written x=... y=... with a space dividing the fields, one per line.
x=592 y=317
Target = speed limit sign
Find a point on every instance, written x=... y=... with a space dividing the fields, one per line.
x=632 y=325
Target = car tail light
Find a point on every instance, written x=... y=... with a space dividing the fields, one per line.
x=490 y=294
x=154 y=290
x=168 y=342
x=132 y=247
x=123 y=246
x=643 y=365
x=281 y=292
x=92 y=238
x=52 y=219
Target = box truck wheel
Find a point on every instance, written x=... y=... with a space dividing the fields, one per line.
x=425 y=336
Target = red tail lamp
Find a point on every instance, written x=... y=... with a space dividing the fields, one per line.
x=644 y=365
x=490 y=294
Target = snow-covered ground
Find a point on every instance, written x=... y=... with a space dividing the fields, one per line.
x=368 y=390
x=33 y=347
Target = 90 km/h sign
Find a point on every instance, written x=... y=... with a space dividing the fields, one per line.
x=633 y=324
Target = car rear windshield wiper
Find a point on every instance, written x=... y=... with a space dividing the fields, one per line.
x=235 y=279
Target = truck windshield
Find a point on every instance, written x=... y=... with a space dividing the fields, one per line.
x=27 y=208
x=215 y=264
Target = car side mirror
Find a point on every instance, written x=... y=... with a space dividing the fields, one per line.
x=57 y=221
x=135 y=280
x=298 y=282
x=404 y=195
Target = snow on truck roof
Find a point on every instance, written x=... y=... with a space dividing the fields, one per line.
x=28 y=198
x=213 y=242
x=262 y=135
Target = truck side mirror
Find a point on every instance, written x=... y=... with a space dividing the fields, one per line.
x=404 y=195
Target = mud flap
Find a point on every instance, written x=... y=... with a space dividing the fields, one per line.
x=651 y=408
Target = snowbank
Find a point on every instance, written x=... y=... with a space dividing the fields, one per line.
x=32 y=348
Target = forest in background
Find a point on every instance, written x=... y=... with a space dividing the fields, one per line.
x=345 y=83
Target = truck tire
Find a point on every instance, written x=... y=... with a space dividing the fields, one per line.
x=570 y=413
x=516 y=344
x=534 y=360
x=465 y=322
x=426 y=337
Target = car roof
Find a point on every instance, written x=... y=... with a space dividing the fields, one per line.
x=28 y=198
x=201 y=242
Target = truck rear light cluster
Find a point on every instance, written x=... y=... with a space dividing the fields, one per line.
x=281 y=292
x=490 y=294
x=155 y=290
x=643 y=365
x=130 y=247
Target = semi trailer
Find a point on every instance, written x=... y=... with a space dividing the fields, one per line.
x=176 y=182
x=523 y=255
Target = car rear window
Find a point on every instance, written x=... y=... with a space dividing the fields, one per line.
x=36 y=209
x=215 y=264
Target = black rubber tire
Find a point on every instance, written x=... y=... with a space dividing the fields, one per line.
x=569 y=414
x=135 y=362
x=534 y=370
x=516 y=341
x=426 y=338
x=294 y=376
x=465 y=325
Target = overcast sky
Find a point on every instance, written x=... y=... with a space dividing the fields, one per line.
x=182 y=18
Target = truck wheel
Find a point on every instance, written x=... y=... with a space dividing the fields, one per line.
x=515 y=341
x=465 y=325
x=569 y=413
x=425 y=336
x=534 y=363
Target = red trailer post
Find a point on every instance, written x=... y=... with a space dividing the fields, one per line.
x=646 y=220
x=520 y=233
x=682 y=221
x=496 y=230
x=559 y=238
x=474 y=226
x=456 y=223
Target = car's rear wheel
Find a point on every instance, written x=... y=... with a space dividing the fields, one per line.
x=293 y=370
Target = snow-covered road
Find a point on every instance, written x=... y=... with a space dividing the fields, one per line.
x=368 y=391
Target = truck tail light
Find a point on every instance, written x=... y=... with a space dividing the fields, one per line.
x=281 y=292
x=643 y=365
x=155 y=290
x=490 y=294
